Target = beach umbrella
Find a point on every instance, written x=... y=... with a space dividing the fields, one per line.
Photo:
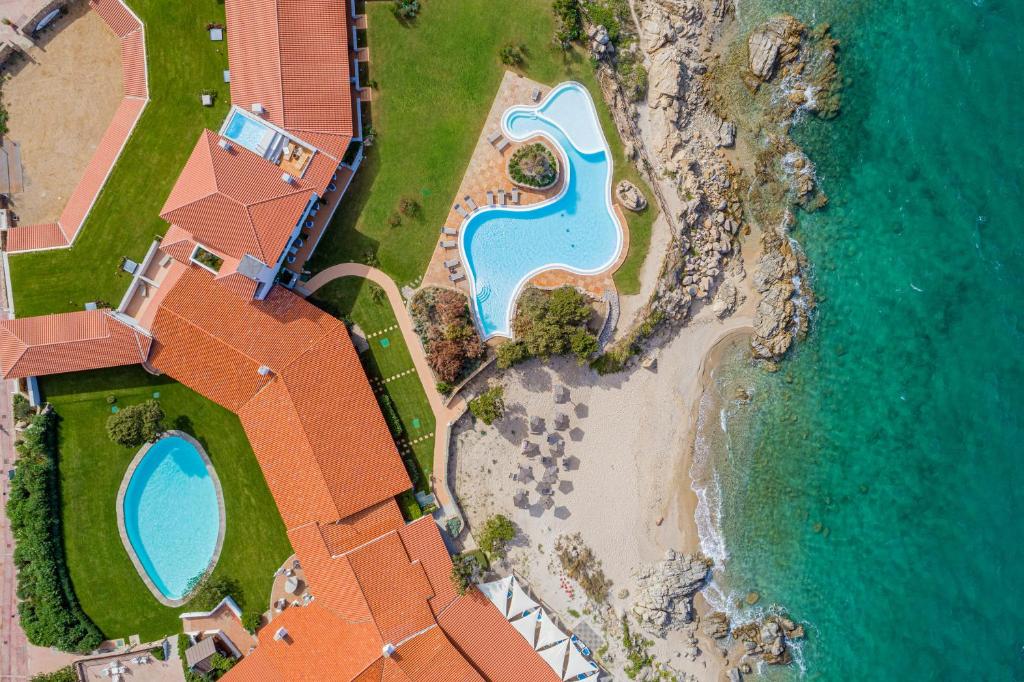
x=529 y=448
x=525 y=473
x=536 y=425
x=544 y=488
x=550 y=475
x=561 y=421
x=549 y=502
x=521 y=499
x=561 y=393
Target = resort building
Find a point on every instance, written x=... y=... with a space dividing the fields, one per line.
x=210 y=306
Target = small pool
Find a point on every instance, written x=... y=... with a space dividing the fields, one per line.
x=171 y=515
x=249 y=133
x=503 y=247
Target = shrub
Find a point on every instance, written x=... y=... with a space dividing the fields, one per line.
x=219 y=666
x=22 y=408
x=405 y=9
x=444 y=388
x=408 y=206
x=446 y=358
x=157 y=652
x=489 y=405
x=252 y=620
x=549 y=323
x=512 y=54
x=570 y=22
x=66 y=674
x=533 y=165
x=387 y=407
x=637 y=650
x=580 y=564
x=184 y=643
x=205 y=591
x=633 y=75
x=583 y=345
x=395 y=219
x=50 y=613
x=136 y=424
x=511 y=353
x=497 y=532
x=453 y=347
x=465 y=571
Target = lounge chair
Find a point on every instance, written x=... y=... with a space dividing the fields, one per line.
x=490 y=198
x=451 y=263
x=449 y=231
x=448 y=244
x=501 y=196
x=515 y=195
x=536 y=95
x=469 y=202
x=494 y=137
x=461 y=211
x=457 y=276
x=503 y=145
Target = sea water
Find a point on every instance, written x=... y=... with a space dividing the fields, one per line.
x=873 y=487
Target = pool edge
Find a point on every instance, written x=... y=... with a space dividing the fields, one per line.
x=222 y=521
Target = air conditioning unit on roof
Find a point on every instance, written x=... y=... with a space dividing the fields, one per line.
x=280 y=634
x=257 y=108
x=224 y=144
x=286 y=178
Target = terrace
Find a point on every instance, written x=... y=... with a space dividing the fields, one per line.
x=285 y=151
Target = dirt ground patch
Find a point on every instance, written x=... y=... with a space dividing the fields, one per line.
x=60 y=99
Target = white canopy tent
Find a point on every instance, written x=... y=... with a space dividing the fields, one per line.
x=527 y=626
x=578 y=665
x=549 y=632
x=555 y=656
x=521 y=602
x=498 y=592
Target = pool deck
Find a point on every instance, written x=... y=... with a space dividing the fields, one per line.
x=486 y=171
x=157 y=594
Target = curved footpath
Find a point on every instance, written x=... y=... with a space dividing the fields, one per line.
x=444 y=415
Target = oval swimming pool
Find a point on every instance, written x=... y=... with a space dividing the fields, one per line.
x=577 y=230
x=171 y=515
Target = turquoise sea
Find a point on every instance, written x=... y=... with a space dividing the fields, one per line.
x=874 y=486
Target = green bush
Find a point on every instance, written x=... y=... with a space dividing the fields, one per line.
x=205 y=591
x=408 y=206
x=252 y=620
x=533 y=165
x=444 y=388
x=405 y=9
x=136 y=424
x=570 y=21
x=465 y=571
x=549 y=323
x=66 y=674
x=512 y=54
x=495 y=536
x=157 y=652
x=489 y=405
x=633 y=75
x=50 y=613
x=511 y=353
x=183 y=644
x=387 y=407
x=22 y=408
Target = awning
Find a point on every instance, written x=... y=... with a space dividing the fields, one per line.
x=578 y=665
x=521 y=602
x=549 y=632
x=498 y=592
x=555 y=657
x=527 y=626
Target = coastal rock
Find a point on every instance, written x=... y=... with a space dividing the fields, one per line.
x=726 y=134
x=663 y=80
x=715 y=625
x=630 y=196
x=768 y=638
x=665 y=591
x=725 y=300
x=774 y=42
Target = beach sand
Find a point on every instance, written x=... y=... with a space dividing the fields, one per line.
x=628 y=492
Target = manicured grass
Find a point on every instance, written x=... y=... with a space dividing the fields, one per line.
x=182 y=62
x=356 y=300
x=92 y=467
x=437 y=78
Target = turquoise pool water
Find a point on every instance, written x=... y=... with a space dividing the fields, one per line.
x=502 y=247
x=251 y=134
x=171 y=515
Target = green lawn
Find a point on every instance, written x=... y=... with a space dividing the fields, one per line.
x=92 y=467
x=436 y=80
x=182 y=62
x=364 y=303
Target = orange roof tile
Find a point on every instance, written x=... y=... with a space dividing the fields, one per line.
x=362 y=527
x=483 y=636
x=423 y=541
x=69 y=342
x=116 y=15
x=293 y=57
x=32 y=237
x=235 y=202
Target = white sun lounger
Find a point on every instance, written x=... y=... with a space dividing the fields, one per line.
x=494 y=137
x=447 y=244
x=451 y=263
x=461 y=211
x=469 y=202
x=536 y=95
x=515 y=195
x=502 y=197
x=490 y=198
x=457 y=276
x=503 y=145
x=449 y=231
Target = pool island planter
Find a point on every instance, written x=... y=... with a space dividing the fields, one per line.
x=556 y=159
x=122 y=530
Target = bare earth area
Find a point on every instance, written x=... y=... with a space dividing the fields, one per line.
x=61 y=99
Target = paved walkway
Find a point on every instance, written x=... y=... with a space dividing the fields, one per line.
x=444 y=415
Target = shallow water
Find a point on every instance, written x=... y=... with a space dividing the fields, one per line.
x=873 y=486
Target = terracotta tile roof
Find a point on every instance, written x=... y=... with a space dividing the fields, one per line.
x=428 y=657
x=133 y=65
x=423 y=541
x=235 y=202
x=116 y=15
x=69 y=342
x=319 y=646
x=293 y=57
x=362 y=527
x=33 y=237
x=483 y=636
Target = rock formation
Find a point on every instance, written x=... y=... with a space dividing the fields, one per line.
x=630 y=196
x=768 y=638
x=664 y=591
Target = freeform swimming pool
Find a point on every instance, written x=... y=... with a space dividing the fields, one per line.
x=577 y=230
x=171 y=515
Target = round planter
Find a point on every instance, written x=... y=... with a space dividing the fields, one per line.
x=539 y=188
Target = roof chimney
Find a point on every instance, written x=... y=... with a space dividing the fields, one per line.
x=388 y=650
x=280 y=635
x=286 y=178
x=224 y=144
x=257 y=108
x=264 y=371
